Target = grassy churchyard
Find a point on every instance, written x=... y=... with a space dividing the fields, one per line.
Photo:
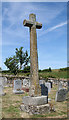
x=11 y=105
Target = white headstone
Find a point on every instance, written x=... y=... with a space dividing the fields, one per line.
x=1 y=86
x=60 y=86
x=26 y=83
x=41 y=82
x=4 y=81
x=17 y=86
x=48 y=85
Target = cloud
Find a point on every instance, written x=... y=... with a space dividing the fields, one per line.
x=14 y=14
x=53 y=28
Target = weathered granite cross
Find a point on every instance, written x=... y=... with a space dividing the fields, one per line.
x=32 y=24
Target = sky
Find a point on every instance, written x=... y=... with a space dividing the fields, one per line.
x=51 y=38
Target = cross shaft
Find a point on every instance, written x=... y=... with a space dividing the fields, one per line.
x=32 y=24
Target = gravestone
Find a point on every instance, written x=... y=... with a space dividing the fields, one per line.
x=18 y=87
x=41 y=82
x=48 y=85
x=4 y=81
x=1 y=87
x=60 y=86
x=44 y=91
x=26 y=83
x=61 y=95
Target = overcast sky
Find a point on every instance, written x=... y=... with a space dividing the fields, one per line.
x=51 y=39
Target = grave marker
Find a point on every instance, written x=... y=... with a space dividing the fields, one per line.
x=60 y=86
x=44 y=91
x=1 y=87
x=61 y=95
x=18 y=86
x=48 y=85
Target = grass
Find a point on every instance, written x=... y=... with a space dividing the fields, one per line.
x=11 y=105
x=54 y=74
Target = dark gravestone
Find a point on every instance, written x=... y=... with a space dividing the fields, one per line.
x=44 y=91
x=50 y=83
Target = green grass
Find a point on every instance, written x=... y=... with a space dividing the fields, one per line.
x=54 y=74
x=11 y=105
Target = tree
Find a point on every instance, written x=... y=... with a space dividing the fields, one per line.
x=16 y=62
x=26 y=69
x=50 y=69
x=22 y=57
x=12 y=64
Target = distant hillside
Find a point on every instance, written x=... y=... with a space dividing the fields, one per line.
x=45 y=73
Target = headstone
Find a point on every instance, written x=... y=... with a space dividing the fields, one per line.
x=60 y=86
x=1 y=87
x=4 y=81
x=41 y=82
x=26 y=83
x=18 y=87
x=48 y=85
x=44 y=91
x=61 y=95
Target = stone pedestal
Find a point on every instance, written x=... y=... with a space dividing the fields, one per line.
x=35 y=105
x=41 y=109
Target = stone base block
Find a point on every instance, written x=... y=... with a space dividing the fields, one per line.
x=35 y=101
x=41 y=109
x=18 y=92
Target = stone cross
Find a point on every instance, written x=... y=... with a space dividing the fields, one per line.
x=33 y=25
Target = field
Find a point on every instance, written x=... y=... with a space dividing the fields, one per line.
x=56 y=73
x=11 y=105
